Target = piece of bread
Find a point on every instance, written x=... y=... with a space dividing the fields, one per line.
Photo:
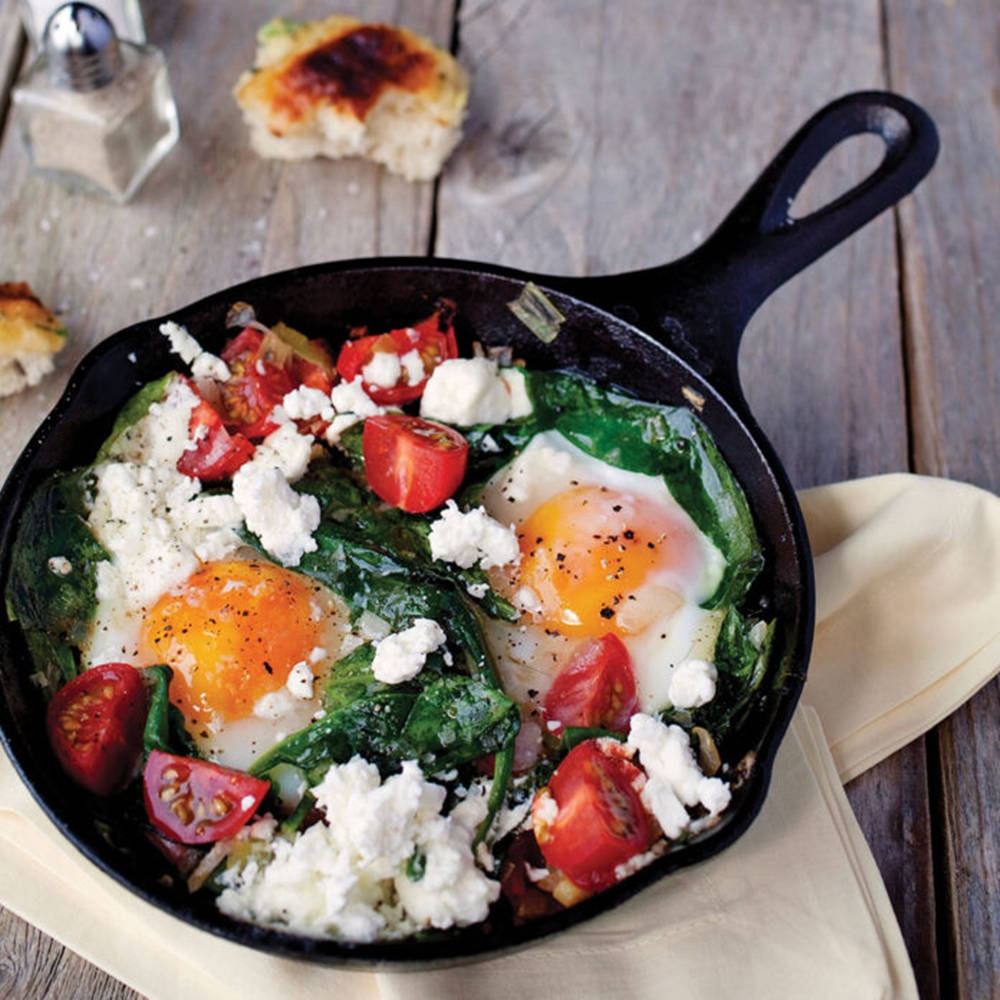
x=340 y=87
x=29 y=336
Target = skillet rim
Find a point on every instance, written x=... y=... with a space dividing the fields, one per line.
x=473 y=943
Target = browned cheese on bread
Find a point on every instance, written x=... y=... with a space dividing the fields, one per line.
x=29 y=336
x=340 y=87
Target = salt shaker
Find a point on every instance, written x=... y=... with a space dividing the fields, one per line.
x=96 y=111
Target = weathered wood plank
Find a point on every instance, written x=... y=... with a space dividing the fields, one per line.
x=891 y=804
x=34 y=967
x=945 y=56
x=636 y=168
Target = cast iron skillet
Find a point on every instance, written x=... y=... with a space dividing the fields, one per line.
x=669 y=334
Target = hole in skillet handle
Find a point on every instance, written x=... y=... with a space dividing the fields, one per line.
x=700 y=304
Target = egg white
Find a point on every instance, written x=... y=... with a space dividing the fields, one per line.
x=528 y=655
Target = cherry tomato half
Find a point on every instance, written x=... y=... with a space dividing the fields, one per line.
x=412 y=463
x=196 y=802
x=433 y=339
x=217 y=454
x=95 y=724
x=601 y=821
x=596 y=687
x=257 y=384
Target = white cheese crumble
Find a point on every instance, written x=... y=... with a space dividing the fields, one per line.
x=675 y=782
x=413 y=367
x=151 y=519
x=348 y=879
x=468 y=391
x=352 y=405
x=203 y=363
x=285 y=448
x=471 y=538
x=383 y=370
x=300 y=681
x=401 y=656
x=60 y=565
x=282 y=519
x=306 y=403
x=692 y=684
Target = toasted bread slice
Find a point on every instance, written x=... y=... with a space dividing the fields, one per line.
x=340 y=87
x=29 y=336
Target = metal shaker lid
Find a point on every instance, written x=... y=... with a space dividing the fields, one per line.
x=82 y=47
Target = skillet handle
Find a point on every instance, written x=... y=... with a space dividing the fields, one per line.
x=700 y=304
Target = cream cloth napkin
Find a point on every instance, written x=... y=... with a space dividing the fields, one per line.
x=908 y=573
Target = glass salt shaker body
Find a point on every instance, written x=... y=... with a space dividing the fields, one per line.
x=96 y=112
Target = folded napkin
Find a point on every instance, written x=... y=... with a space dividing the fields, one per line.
x=908 y=573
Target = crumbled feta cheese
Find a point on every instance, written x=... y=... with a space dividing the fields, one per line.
x=352 y=405
x=517 y=387
x=526 y=599
x=477 y=590
x=282 y=519
x=60 y=565
x=468 y=391
x=285 y=449
x=274 y=705
x=400 y=657
x=150 y=518
x=306 y=403
x=675 y=780
x=472 y=537
x=413 y=367
x=692 y=684
x=300 y=681
x=203 y=364
x=316 y=654
x=347 y=879
x=383 y=370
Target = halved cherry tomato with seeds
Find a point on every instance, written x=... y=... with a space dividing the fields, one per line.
x=596 y=687
x=411 y=463
x=433 y=339
x=216 y=454
x=589 y=819
x=196 y=802
x=95 y=724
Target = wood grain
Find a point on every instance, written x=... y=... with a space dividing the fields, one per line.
x=945 y=55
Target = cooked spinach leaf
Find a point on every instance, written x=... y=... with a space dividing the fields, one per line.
x=448 y=723
x=741 y=657
x=355 y=514
x=164 y=729
x=52 y=587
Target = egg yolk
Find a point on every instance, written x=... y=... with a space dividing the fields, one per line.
x=587 y=552
x=232 y=634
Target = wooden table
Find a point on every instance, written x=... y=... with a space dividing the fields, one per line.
x=603 y=137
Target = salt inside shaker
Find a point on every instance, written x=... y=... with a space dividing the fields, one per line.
x=96 y=111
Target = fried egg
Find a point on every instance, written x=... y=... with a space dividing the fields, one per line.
x=603 y=550
x=249 y=643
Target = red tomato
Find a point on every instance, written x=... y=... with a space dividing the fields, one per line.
x=217 y=453
x=195 y=802
x=412 y=463
x=433 y=339
x=601 y=821
x=95 y=724
x=257 y=384
x=596 y=687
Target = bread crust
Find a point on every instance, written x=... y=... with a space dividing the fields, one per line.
x=338 y=86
